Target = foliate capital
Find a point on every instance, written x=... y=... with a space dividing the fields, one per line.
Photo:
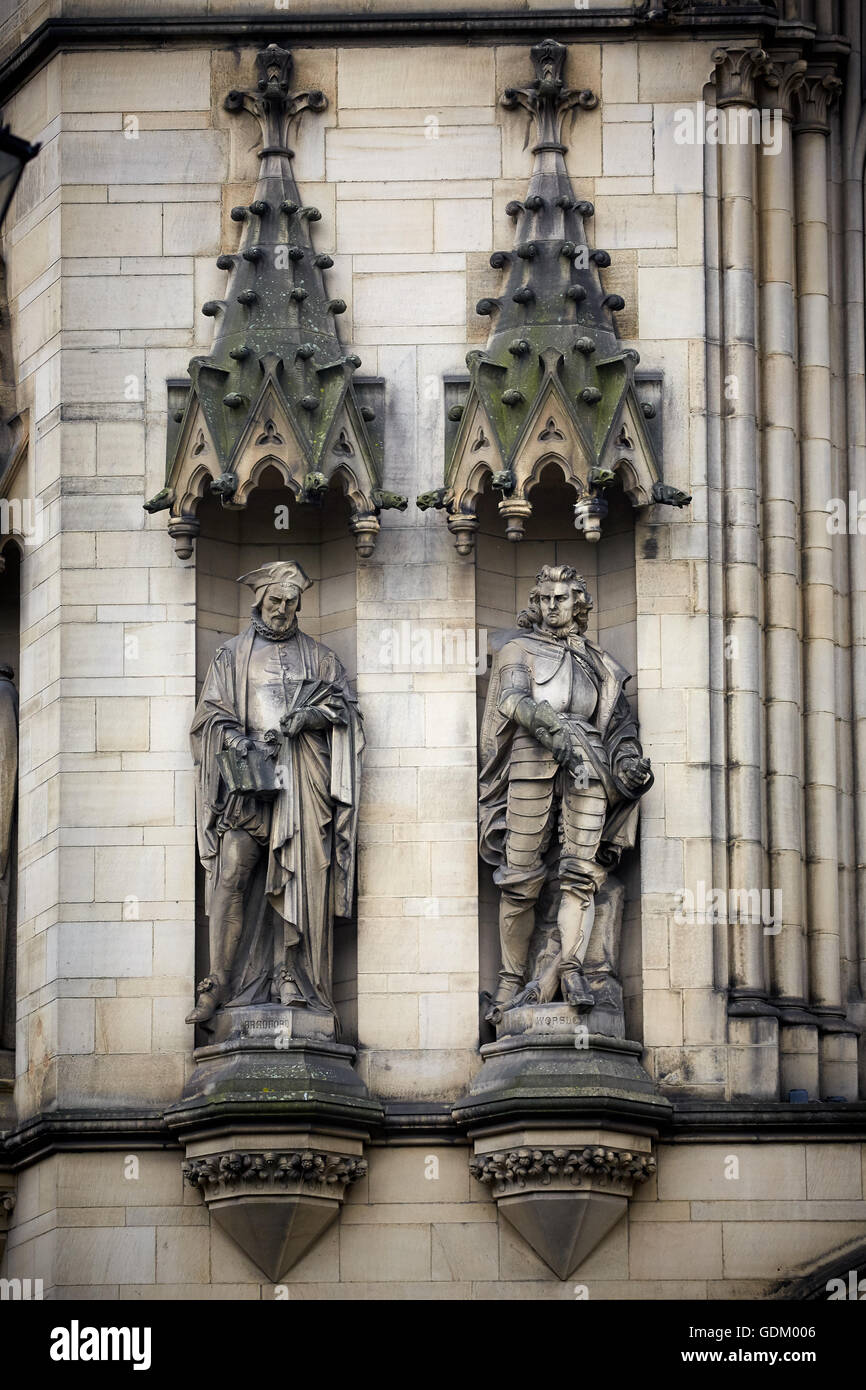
x=783 y=78
x=813 y=100
x=736 y=73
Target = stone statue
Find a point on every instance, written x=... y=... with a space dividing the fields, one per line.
x=561 y=778
x=8 y=797
x=277 y=741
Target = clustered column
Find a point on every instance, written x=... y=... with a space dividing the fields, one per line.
x=779 y=577
x=798 y=1047
x=811 y=131
x=752 y=1027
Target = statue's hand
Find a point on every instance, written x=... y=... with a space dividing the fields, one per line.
x=635 y=772
x=558 y=743
x=243 y=745
x=302 y=719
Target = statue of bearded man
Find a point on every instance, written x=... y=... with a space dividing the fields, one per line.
x=277 y=741
x=563 y=768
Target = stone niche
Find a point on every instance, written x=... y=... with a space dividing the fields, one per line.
x=274 y=1119
x=233 y=542
x=504 y=575
x=562 y=1116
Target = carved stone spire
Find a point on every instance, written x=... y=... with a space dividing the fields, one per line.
x=275 y=296
x=554 y=383
x=553 y=281
x=276 y=385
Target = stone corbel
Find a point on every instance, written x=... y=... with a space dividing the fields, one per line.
x=565 y=1190
x=562 y=1119
x=273 y=1122
x=275 y=1202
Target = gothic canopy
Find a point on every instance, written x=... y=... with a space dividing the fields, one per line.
x=554 y=384
x=277 y=389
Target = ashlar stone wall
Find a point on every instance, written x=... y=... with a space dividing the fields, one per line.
x=111 y=249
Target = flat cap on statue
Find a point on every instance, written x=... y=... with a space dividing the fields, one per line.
x=277 y=572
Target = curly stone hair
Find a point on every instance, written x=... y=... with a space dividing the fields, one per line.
x=558 y=574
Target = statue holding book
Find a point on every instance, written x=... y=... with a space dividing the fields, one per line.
x=277 y=741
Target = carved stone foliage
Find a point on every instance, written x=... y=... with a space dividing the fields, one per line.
x=783 y=78
x=737 y=70
x=311 y=1169
x=277 y=388
x=512 y=1169
x=563 y=1200
x=813 y=100
x=554 y=385
x=274 y=1203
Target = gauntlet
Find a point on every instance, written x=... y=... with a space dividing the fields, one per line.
x=540 y=720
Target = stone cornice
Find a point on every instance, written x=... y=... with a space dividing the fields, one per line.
x=690 y=1121
x=61 y=34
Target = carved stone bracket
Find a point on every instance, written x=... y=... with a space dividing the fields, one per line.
x=276 y=1202
x=508 y=1170
x=562 y=1123
x=565 y=1197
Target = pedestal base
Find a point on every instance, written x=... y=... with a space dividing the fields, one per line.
x=266 y=1058
x=274 y=1119
x=562 y=1122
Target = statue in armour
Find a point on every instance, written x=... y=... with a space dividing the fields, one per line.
x=563 y=772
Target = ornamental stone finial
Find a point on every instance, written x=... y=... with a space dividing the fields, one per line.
x=547 y=98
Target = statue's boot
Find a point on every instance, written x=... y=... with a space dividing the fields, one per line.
x=573 y=910
x=576 y=991
x=209 y=995
x=504 y=998
x=290 y=994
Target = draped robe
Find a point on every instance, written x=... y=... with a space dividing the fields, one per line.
x=307 y=872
